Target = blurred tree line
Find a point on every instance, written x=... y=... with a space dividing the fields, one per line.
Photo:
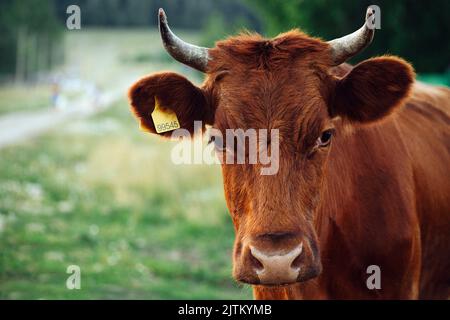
x=30 y=37
x=417 y=30
x=184 y=14
x=32 y=30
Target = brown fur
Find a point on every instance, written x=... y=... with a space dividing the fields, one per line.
x=380 y=194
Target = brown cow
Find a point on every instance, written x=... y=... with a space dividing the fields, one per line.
x=364 y=159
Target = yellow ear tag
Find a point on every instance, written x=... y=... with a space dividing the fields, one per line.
x=164 y=119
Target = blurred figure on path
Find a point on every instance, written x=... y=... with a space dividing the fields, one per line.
x=55 y=94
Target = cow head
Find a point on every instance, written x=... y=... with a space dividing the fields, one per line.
x=286 y=83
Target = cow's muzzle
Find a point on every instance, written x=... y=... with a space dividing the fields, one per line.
x=276 y=259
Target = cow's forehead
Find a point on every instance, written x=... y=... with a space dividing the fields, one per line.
x=265 y=99
x=287 y=108
x=253 y=52
x=270 y=84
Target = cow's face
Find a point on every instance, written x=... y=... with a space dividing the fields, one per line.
x=283 y=84
x=264 y=89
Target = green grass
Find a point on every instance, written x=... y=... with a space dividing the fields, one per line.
x=23 y=98
x=100 y=194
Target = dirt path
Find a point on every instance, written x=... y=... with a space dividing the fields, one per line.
x=20 y=126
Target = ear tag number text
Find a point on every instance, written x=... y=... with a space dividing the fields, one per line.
x=164 y=119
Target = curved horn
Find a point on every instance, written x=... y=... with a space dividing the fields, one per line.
x=186 y=53
x=346 y=47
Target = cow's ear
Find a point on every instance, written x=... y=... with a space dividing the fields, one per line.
x=174 y=95
x=373 y=89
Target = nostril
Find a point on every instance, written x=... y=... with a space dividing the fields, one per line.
x=255 y=263
x=298 y=261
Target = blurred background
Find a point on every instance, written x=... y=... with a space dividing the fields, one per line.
x=81 y=185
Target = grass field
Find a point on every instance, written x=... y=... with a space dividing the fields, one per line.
x=24 y=98
x=100 y=194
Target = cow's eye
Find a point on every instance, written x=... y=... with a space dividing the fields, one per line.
x=218 y=143
x=325 y=138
